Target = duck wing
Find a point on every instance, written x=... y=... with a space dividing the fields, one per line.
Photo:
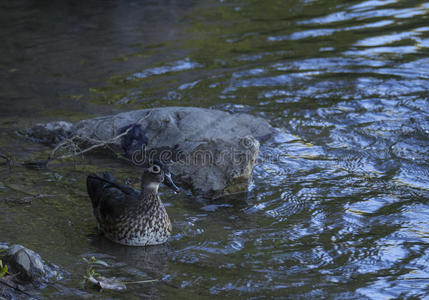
x=109 y=198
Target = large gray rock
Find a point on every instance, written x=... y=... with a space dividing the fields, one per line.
x=213 y=151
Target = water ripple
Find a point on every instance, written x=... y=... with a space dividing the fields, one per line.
x=177 y=66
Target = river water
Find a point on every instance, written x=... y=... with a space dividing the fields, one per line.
x=339 y=203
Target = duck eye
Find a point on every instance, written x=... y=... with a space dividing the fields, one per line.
x=155 y=169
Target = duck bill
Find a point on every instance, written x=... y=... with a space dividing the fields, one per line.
x=169 y=182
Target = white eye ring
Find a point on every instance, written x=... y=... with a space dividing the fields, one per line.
x=155 y=169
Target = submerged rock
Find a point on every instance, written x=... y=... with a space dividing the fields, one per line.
x=213 y=152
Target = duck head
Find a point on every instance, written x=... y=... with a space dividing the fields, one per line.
x=155 y=173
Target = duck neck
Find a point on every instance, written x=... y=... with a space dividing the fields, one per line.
x=149 y=188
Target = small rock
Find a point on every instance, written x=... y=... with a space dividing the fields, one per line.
x=50 y=133
x=27 y=263
x=26 y=270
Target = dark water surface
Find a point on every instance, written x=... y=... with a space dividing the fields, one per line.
x=339 y=206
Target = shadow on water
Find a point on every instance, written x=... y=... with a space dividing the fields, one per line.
x=339 y=203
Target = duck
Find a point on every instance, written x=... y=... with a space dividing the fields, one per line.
x=128 y=216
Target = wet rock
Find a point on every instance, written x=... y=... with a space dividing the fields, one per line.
x=26 y=263
x=51 y=133
x=213 y=152
x=26 y=271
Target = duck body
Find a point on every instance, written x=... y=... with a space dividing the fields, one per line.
x=128 y=216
